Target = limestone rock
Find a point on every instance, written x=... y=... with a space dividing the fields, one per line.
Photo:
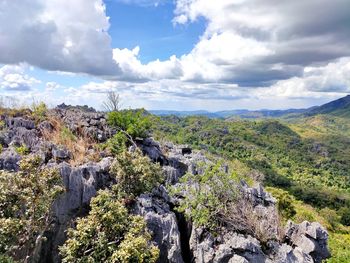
x=163 y=225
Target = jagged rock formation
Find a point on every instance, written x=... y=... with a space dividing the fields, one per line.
x=179 y=241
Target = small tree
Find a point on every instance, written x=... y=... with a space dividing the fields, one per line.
x=135 y=174
x=109 y=234
x=25 y=208
x=112 y=102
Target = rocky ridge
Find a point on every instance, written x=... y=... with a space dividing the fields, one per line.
x=179 y=241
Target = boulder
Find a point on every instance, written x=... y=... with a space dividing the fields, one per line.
x=81 y=184
x=9 y=159
x=162 y=223
x=311 y=238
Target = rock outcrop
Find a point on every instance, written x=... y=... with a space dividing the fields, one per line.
x=178 y=240
x=81 y=184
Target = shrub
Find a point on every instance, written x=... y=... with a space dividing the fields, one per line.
x=135 y=174
x=39 y=111
x=134 y=123
x=285 y=204
x=109 y=234
x=331 y=217
x=117 y=143
x=25 y=202
x=206 y=196
x=345 y=216
x=22 y=150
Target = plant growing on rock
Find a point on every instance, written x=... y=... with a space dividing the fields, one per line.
x=134 y=122
x=22 y=150
x=206 y=197
x=109 y=234
x=39 y=111
x=25 y=208
x=135 y=174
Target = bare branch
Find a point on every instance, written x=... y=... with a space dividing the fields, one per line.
x=112 y=102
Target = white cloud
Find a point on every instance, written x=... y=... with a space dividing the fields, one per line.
x=14 y=78
x=57 y=35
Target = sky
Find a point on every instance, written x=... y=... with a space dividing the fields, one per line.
x=175 y=54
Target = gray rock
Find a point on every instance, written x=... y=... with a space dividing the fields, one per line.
x=81 y=184
x=60 y=154
x=311 y=238
x=163 y=225
x=9 y=159
x=19 y=122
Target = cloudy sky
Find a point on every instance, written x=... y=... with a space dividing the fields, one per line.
x=176 y=54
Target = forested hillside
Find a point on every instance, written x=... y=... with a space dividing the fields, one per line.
x=305 y=160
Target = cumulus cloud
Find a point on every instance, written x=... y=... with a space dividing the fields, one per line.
x=57 y=35
x=251 y=43
x=329 y=80
x=14 y=78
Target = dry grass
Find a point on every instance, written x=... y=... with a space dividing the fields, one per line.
x=82 y=148
x=245 y=218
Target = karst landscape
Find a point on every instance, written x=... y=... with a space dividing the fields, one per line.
x=174 y=131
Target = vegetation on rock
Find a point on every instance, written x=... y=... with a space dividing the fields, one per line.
x=109 y=234
x=135 y=174
x=25 y=208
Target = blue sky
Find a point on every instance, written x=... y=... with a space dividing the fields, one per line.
x=176 y=55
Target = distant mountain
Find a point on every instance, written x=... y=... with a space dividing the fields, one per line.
x=185 y=113
x=241 y=113
x=339 y=107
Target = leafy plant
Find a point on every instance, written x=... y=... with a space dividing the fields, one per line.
x=22 y=150
x=117 y=143
x=206 y=197
x=134 y=123
x=109 y=234
x=39 y=111
x=25 y=203
x=135 y=174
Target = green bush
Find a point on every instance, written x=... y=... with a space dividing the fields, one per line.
x=345 y=216
x=39 y=111
x=285 y=204
x=135 y=123
x=135 y=174
x=109 y=234
x=117 y=143
x=206 y=197
x=22 y=150
x=25 y=203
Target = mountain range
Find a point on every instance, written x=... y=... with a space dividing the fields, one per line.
x=339 y=107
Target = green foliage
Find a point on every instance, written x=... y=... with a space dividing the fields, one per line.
x=345 y=216
x=309 y=159
x=135 y=174
x=1 y=148
x=25 y=202
x=134 y=122
x=339 y=245
x=117 y=143
x=206 y=197
x=285 y=204
x=2 y=125
x=66 y=136
x=109 y=234
x=39 y=111
x=22 y=150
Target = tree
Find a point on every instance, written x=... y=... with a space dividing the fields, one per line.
x=112 y=102
x=26 y=198
x=135 y=174
x=109 y=234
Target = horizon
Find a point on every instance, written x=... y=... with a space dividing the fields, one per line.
x=181 y=55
